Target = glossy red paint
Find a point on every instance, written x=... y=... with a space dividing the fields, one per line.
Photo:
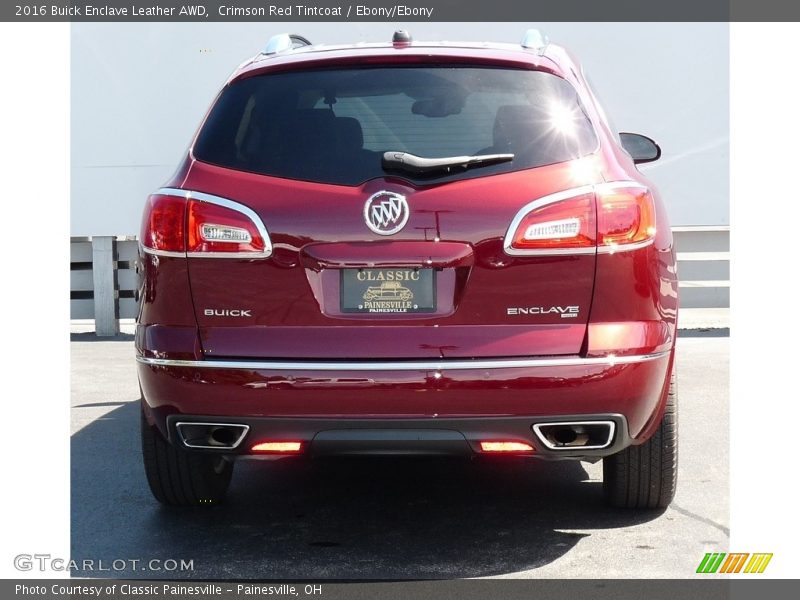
x=632 y=390
x=626 y=301
x=308 y=221
x=419 y=53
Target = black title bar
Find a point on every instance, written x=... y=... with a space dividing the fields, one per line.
x=476 y=589
x=409 y=10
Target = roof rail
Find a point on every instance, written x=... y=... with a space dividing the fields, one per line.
x=283 y=42
x=534 y=40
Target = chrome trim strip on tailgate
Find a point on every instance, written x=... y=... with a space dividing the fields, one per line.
x=411 y=365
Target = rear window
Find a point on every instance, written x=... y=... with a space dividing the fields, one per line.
x=333 y=126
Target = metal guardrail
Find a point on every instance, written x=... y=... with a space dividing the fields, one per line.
x=703 y=266
x=103 y=279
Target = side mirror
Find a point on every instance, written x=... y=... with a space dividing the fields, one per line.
x=641 y=148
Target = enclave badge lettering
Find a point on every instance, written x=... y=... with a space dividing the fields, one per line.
x=566 y=312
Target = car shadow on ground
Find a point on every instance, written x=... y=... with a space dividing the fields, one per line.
x=367 y=518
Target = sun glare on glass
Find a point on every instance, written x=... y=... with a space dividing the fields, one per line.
x=562 y=119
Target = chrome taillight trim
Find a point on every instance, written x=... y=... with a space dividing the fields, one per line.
x=154 y=252
x=625 y=247
x=220 y=201
x=412 y=365
x=560 y=197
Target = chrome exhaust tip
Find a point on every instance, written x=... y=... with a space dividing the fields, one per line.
x=211 y=436
x=576 y=435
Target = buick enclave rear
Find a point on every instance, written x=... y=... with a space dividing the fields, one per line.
x=408 y=248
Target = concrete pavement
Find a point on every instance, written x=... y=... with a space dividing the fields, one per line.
x=394 y=518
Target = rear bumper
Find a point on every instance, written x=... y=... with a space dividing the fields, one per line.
x=429 y=437
x=477 y=399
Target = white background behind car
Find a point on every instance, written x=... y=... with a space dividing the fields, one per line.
x=139 y=91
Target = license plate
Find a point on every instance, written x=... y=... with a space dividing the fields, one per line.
x=388 y=290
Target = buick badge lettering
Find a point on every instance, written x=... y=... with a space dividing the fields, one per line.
x=226 y=312
x=386 y=213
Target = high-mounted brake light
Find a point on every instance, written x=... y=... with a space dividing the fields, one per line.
x=606 y=217
x=506 y=447
x=179 y=223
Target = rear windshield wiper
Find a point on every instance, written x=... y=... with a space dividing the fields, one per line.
x=403 y=161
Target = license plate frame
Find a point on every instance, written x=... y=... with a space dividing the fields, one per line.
x=396 y=290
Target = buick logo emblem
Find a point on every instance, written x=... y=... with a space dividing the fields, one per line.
x=386 y=213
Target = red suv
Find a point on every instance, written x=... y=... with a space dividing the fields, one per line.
x=408 y=248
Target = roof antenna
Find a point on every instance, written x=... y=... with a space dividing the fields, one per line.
x=283 y=42
x=534 y=40
x=401 y=38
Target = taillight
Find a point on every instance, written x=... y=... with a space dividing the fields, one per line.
x=558 y=223
x=603 y=218
x=218 y=229
x=625 y=215
x=163 y=225
x=179 y=222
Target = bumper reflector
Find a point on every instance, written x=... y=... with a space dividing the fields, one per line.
x=506 y=447
x=279 y=447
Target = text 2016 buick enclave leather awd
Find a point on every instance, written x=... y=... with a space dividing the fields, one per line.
x=408 y=248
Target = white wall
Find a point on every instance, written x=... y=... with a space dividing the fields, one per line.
x=139 y=91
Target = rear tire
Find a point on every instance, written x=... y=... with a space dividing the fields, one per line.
x=645 y=476
x=181 y=478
